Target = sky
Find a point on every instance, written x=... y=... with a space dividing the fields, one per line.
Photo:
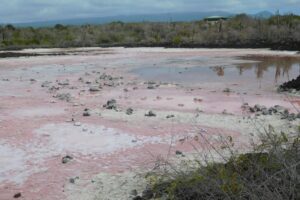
x=12 y=11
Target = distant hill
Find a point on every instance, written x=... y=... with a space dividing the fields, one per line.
x=263 y=14
x=166 y=17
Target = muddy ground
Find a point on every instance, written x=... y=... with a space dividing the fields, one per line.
x=60 y=138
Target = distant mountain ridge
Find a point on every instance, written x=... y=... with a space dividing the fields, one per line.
x=166 y=17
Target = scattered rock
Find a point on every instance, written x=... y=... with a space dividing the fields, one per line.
x=73 y=180
x=66 y=159
x=150 y=114
x=46 y=84
x=178 y=153
x=53 y=89
x=64 y=83
x=227 y=90
x=17 y=195
x=170 y=116
x=278 y=110
x=106 y=77
x=197 y=100
x=151 y=87
x=290 y=85
x=129 y=111
x=94 y=89
x=64 y=97
x=86 y=112
x=111 y=105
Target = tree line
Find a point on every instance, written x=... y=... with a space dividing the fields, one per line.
x=277 y=32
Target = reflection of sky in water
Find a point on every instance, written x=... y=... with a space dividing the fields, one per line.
x=270 y=71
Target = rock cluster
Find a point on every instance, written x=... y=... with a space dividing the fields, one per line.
x=64 y=97
x=275 y=110
x=111 y=104
x=290 y=85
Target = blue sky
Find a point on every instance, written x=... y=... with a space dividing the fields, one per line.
x=40 y=10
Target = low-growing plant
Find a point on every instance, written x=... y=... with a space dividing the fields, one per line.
x=269 y=170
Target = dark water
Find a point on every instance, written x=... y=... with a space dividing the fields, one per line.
x=266 y=71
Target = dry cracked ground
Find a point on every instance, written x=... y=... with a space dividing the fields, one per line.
x=88 y=123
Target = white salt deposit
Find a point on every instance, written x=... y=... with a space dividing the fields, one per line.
x=37 y=112
x=88 y=139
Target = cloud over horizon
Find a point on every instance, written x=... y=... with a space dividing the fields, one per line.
x=40 y=10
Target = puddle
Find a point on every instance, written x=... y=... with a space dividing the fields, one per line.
x=262 y=74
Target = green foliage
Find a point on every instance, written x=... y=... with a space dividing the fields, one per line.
x=270 y=171
x=279 y=32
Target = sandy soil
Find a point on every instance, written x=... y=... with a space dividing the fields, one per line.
x=111 y=150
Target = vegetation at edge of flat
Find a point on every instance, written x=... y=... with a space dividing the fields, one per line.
x=277 y=32
x=270 y=171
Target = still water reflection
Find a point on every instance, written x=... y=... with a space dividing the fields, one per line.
x=270 y=71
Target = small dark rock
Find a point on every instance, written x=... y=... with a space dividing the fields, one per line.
x=227 y=90
x=66 y=159
x=151 y=87
x=64 y=97
x=72 y=180
x=293 y=84
x=129 y=111
x=46 y=84
x=64 y=83
x=94 y=89
x=178 y=153
x=170 y=116
x=17 y=195
x=111 y=104
x=150 y=114
x=86 y=112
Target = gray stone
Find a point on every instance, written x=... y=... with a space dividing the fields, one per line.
x=111 y=104
x=129 y=111
x=87 y=112
x=17 y=195
x=64 y=83
x=227 y=90
x=151 y=87
x=170 y=116
x=66 y=159
x=94 y=89
x=178 y=153
x=64 y=97
x=46 y=84
x=150 y=114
